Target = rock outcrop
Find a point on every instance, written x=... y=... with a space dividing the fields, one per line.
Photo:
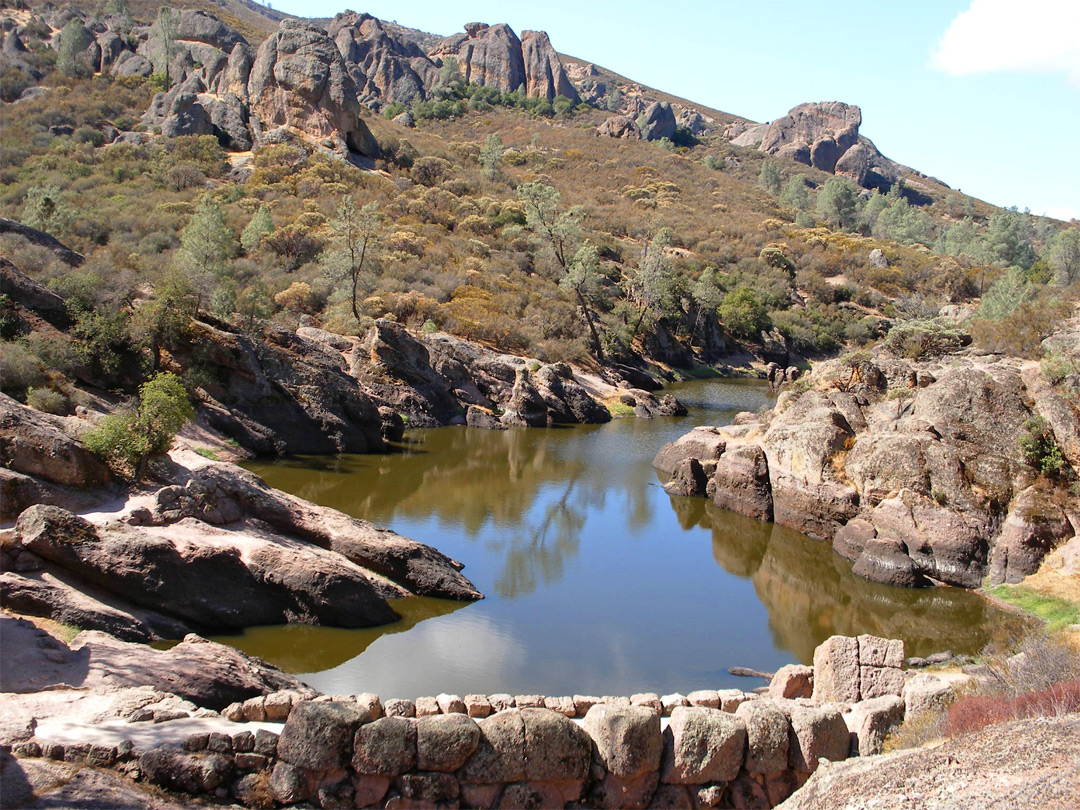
x=385 y=68
x=492 y=55
x=212 y=547
x=299 y=81
x=656 y=121
x=826 y=136
x=911 y=470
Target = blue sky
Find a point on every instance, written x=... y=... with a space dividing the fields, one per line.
x=982 y=94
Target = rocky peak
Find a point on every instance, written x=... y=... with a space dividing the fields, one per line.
x=492 y=55
x=384 y=67
x=544 y=73
x=299 y=81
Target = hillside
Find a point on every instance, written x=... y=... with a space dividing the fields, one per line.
x=201 y=180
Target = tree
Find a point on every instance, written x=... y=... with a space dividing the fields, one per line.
x=354 y=241
x=260 y=225
x=743 y=313
x=1065 y=257
x=206 y=246
x=561 y=232
x=770 y=178
x=796 y=194
x=125 y=441
x=72 y=58
x=652 y=284
x=166 y=25
x=46 y=210
x=837 y=203
x=491 y=154
x=1009 y=238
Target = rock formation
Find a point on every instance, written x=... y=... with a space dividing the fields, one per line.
x=826 y=136
x=915 y=487
x=209 y=547
x=655 y=121
x=492 y=55
x=299 y=81
x=385 y=68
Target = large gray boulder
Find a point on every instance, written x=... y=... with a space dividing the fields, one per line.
x=702 y=745
x=319 y=735
x=658 y=121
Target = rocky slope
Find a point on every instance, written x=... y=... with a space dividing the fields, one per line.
x=1026 y=763
x=913 y=470
x=208 y=546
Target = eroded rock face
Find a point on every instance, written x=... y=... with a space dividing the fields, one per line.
x=928 y=487
x=385 y=68
x=826 y=136
x=492 y=55
x=299 y=81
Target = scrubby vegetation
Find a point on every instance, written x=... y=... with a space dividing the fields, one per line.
x=678 y=255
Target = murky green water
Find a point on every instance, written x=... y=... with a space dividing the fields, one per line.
x=597 y=581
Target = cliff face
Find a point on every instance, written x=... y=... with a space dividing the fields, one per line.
x=913 y=470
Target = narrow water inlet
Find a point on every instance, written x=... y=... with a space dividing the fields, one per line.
x=597 y=581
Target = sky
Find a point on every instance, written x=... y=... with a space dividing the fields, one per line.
x=982 y=94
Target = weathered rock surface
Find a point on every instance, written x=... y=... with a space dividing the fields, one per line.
x=826 y=136
x=299 y=81
x=213 y=547
x=1030 y=763
x=207 y=674
x=492 y=55
x=931 y=487
x=384 y=67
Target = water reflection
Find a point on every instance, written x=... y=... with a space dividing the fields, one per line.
x=597 y=580
x=811 y=593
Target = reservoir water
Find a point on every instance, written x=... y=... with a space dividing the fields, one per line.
x=597 y=581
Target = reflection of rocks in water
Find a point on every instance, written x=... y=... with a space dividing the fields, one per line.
x=297 y=648
x=811 y=594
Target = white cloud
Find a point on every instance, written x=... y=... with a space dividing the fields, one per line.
x=1016 y=36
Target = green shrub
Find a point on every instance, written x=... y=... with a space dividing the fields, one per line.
x=47 y=400
x=1039 y=447
x=125 y=440
x=20 y=369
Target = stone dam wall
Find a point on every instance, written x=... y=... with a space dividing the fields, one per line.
x=708 y=749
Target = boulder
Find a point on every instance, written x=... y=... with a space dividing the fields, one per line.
x=620 y=126
x=500 y=751
x=556 y=748
x=319 y=735
x=816 y=733
x=702 y=745
x=658 y=121
x=444 y=742
x=196 y=774
x=627 y=739
x=792 y=681
x=741 y=482
x=224 y=582
x=767 y=730
x=871 y=721
x=385 y=747
x=1034 y=527
x=706 y=444
x=926 y=693
x=814 y=125
x=836 y=670
x=45 y=446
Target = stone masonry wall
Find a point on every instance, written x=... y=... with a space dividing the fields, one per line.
x=709 y=749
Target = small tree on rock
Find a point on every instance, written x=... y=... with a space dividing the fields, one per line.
x=126 y=441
